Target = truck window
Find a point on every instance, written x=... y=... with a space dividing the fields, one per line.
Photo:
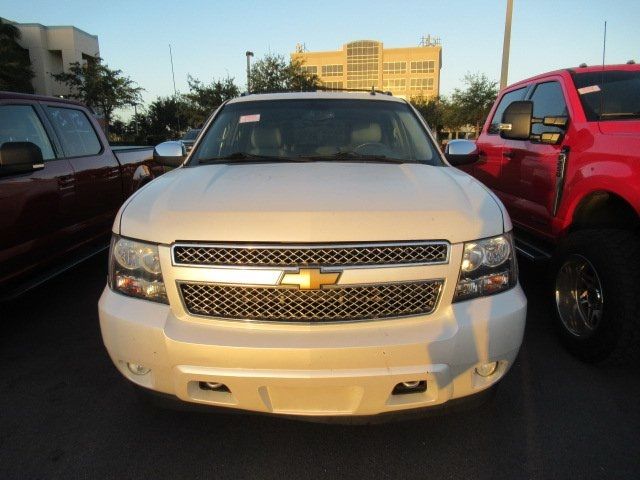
x=319 y=128
x=548 y=101
x=505 y=101
x=617 y=92
x=77 y=135
x=20 y=123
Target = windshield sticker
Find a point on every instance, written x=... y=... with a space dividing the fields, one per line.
x=591 y=89
x=250 y=118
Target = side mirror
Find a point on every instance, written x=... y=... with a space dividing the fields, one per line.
x=169 y=154
x=20 y=157
x=516 y=121
x=461 y=152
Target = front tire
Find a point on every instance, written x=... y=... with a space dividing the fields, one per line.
x=596 y=283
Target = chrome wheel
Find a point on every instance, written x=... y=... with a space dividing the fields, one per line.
x=579 y=296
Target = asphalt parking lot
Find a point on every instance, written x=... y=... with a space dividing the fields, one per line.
x=66 y=413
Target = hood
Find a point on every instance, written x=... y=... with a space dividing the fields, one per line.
x=620 y=127
x=311 y=202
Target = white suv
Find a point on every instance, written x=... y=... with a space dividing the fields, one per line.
x=314 y=255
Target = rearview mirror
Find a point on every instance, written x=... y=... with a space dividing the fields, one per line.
x=169 y=154
x=20 y=157
x=516 y=121
x=461 y=152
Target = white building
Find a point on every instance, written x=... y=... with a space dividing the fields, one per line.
x=52 y=49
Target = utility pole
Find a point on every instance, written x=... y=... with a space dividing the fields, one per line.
x=504 y=73
x=249 y=55
x=175 y=92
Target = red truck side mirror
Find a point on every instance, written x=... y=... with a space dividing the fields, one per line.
x=516 y=121
x=20 y=157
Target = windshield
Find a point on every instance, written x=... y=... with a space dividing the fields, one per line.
x=317 y=129
x=191 y=134
x=609 y=95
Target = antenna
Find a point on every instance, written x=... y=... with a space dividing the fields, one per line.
x=604 y=52
x=175 y=92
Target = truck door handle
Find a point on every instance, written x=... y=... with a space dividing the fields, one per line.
x=507 y=153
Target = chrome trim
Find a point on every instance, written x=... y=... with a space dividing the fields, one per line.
x=336 y=322
x=309 y=246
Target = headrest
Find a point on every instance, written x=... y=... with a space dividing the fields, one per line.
x=366 y=133
x=266 y=137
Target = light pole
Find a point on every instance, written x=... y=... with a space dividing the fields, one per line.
x=504 y=73
x=249 y=55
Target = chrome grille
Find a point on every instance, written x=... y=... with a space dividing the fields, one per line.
x=312 y=255
x=334 y=304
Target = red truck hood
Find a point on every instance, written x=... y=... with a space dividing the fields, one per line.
x=622 y=127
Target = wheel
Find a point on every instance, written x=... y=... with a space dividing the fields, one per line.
x=596 y=280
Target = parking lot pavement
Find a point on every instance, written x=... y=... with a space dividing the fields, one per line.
x=66 y=413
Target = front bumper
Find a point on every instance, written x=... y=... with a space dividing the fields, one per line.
x=316 y=370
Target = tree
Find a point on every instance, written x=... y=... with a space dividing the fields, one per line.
x=273 y=74
x=433 y=110
x=165 y=118
x=99 y=87
x=472 y=105
x=15 y=65
x=203 y=98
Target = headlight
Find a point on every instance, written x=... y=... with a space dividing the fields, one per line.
x=488 y=267
x=134 y=269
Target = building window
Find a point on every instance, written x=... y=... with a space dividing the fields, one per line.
x=423 y=66
x=362 y=64
x=394 y=67
x=333 y=85
x=331 y=70
x=309 y=69
x=395 y=83
x=422 y=84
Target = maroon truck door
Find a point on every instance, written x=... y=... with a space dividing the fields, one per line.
x=489 y=169
x=96 y=170
x=35 y=207
x=532 y=165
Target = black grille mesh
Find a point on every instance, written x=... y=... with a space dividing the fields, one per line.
x=435 y=252
x=335 y=304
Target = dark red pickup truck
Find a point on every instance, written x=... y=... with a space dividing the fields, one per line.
x=562 y=152
x=61 y=185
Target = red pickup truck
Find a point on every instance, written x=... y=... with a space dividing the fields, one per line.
x=562 y=152
x=61 y=185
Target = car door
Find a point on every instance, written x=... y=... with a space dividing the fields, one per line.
x=489 y=168
x=531 y=166
x=35 y=207
x=96 y=170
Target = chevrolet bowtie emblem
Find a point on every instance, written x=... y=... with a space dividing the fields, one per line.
x=310 y=278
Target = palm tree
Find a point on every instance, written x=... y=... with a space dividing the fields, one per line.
x=15 y=66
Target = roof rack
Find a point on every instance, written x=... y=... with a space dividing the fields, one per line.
x=321 y=88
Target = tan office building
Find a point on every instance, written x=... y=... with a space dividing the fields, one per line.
x=52 y=49
x=406 y=72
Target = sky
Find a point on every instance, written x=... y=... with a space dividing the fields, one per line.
x=209 y=38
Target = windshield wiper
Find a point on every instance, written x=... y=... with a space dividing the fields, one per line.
x=357 y=157
x=244 y=157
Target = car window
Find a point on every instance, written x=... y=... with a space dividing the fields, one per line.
x=505 y=101
x=615 y=92
x=20 y=123
x=548 y=101
x=77 y=135
x=326 y=128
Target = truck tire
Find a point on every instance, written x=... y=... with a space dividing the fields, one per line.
x=596 y=280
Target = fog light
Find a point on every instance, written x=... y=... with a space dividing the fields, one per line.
x=414 y=386
x=218 y=387
x=487 y=369
x=137 y=369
